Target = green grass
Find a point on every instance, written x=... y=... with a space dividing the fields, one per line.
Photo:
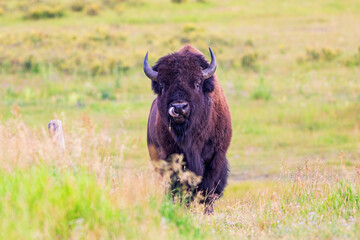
x=55 y=203
x=48 y=203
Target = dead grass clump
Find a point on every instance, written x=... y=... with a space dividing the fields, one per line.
x=313 y=201
x=22 y=146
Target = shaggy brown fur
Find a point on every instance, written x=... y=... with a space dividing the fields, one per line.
x=205 y=135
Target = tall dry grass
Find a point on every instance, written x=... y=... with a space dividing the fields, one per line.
x=315 y=201
x=35 y=171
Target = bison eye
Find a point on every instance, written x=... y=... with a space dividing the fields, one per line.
x=162 y=87
x=197 y=85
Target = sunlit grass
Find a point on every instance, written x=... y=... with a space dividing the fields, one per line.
x=88 y=191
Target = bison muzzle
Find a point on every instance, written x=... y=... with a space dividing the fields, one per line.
x=190 y=116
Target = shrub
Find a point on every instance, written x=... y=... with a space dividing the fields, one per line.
x=119 y=8
x=329 y=54
x=178 y=1
x=22 y=6
x=250 y=60
x=44 y=11
x=354 y=60
x=134 y=2
x=189 y=28
x=78 y=6
x=92 y=9
x=249 y=43
x=312 y=54
x=30 y=65
x=325 y=54
x=3 y=7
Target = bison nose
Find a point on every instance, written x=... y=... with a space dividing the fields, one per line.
x=180 y=107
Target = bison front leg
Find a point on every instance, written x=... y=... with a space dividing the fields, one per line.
x=194 y=164
x=214 y=180
x=183 y=186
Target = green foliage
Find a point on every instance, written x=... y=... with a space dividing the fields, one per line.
x=31 y=66
x=354 y=60
x=69 y=203
x=189 y=28
x=178 y=1
x=324 y=54
x=345 y=199
x=174 y=215
x=262 y=91
x=312 y=54
x=78 y=6
x=45 y=11
x=250 y=61
x=249 y=43
x=329 y=54
x=58 y=202
x=92 y=9
x=106 y=94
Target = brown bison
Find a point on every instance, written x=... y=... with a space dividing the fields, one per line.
x=190 y=116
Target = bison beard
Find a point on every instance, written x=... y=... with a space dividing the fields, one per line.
x=179 y=130
x=190 y=116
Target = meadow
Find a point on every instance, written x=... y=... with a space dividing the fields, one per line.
x=291 y=74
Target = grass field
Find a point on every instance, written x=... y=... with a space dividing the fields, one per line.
x=291 y=74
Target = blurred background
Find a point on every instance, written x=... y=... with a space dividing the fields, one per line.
x=289 y=69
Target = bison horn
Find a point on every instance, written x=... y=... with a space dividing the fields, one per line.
x=150 y=73
x=172 y=112
x=212 y=68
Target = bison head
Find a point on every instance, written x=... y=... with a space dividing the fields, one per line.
x=182 y=81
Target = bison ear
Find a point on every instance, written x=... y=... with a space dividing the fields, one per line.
x=156 y=87
x=208 y=85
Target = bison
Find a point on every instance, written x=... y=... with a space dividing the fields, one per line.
x=190 y=116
